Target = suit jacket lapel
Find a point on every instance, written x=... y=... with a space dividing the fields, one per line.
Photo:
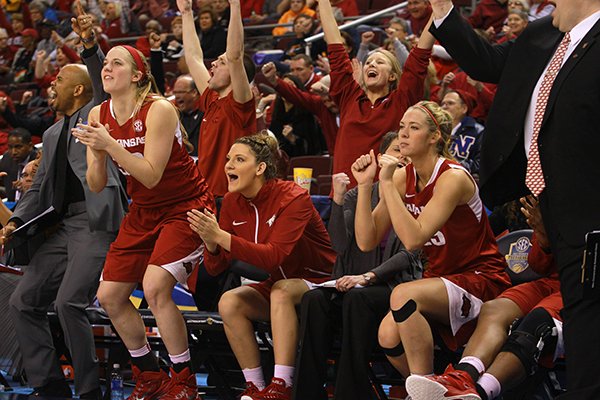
x=586 y=43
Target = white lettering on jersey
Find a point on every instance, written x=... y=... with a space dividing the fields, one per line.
x=132 y=142
x=436 y=240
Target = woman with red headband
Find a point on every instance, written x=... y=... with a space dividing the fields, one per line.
x=140 y=131
x=433 y=203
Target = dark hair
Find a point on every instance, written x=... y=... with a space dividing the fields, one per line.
x=350 y=43
x=265 y=149
x=307 y=60
x=313 y=22
x=387 y=140
x=21 y=133
x=249 y=67
x=213 y=14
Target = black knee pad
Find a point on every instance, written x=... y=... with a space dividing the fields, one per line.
x=535 y=332
x=405 y=311
x=395 y=351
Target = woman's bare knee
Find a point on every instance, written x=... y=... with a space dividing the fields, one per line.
x=387 y=334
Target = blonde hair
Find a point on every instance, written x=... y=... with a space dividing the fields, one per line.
x=146 y=90
x=440 y=120
x=394 y=63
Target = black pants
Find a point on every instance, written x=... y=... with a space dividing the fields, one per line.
x=581 y=327
x=359 y=312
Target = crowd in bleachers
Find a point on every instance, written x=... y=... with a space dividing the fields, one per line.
x=345 y=96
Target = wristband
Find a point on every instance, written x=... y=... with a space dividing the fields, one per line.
x=89 y=40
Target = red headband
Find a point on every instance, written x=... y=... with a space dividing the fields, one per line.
x=430 y=115
x=137 y=58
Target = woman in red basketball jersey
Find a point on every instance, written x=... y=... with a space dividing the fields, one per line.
x=433 y=204
x=140 y=131
x=273 y=225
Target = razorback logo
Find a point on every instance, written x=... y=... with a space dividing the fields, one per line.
x=465 y=309
x=188 y=267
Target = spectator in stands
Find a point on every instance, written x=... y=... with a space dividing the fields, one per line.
x=489 y=13
x=111 y=22
x=417 y=14
x=22 y=68
x=432 y=204
x=187 y=99
x=226 y=96
x=302 y=67
x=45 y=29
x=37 y=10
x=65 y=269
x=483 y=92
x=142 y=44
x=521 y=5
x=515 y=24
x=221 y=8
x=19 y=116
x=367 y=113
x=364 y=282
x=465 y=143
x=163 y=183
x=489 y=341
x=297 y=7
x=16 y=27
x=273 y=225
x=295 y=127
x=304 y=26
x=7 y=55
x=22 y=185
x=173 y=49
x=540 y=8
x=271 y=11
x=20 y=152
x=320 y=104
x=213 y=38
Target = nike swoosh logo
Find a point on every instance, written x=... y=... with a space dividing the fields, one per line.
x=409 y=195
x=236 y=223
x=478 y=272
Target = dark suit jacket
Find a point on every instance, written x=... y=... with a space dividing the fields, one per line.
x=105 y=209
x=569 y=138
x=8 y=165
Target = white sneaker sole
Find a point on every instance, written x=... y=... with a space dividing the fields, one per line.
x=421 y=388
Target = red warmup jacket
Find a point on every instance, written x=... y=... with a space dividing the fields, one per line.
x=279 y=231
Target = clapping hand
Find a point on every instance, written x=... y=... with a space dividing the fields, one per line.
x=388 y=165
x=205 y=224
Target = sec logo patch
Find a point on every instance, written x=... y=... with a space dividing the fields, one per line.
x=138 y=125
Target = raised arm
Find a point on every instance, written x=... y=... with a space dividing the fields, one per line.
x=242 y=93
x=330 y=27
x=369 y=226
x=194 y=57
x=161 y=123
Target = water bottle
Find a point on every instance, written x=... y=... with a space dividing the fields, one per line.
x=116 y=383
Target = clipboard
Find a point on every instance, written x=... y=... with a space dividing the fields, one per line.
x=26 y=239
x=590 y=269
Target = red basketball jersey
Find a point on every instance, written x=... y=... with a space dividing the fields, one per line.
x=180 y=181
x=465 y=242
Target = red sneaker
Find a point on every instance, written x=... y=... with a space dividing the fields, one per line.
x=453 y=384
x=182 y=386
x=277 y=390
x=149 y=385
x=250 y=393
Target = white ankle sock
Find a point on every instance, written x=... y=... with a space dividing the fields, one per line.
x=255 y=375
x=284 y=372
x=142 y=351
x=490 y=384
x=180 y=358
x=475 y=362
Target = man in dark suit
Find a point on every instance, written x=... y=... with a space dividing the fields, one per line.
x=65 y=269
x=545 y=114
x=20 y=152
